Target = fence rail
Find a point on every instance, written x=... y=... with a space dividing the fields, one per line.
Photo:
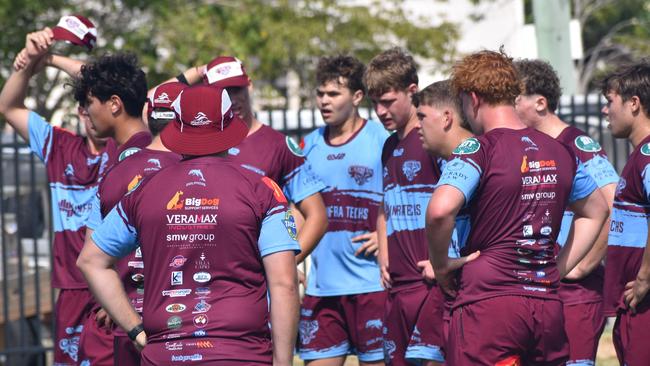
x=26 y=310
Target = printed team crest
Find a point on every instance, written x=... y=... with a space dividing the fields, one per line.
x=389 y=349
x=586 y=143
x=645 y=149
x=531 y=144
x=294 y=147
x=199 y=175
x=374 y=324
x=307 y=331
x=128 y=152
x=622 y=183
x=155 y=163
x=163 y=98
x=469 y=146
x=201 y=119
x=290 y=225
x=360 y=174
x=411 y=168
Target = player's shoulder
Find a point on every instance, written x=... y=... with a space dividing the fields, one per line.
x=376 y=128
x=279 y=142
x=315 y=136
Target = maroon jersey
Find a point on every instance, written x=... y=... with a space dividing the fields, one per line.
x=72 y=172
x=270 y=153
x=410 y=175
x=203 y=226
x=123 y=177
x=517 y=184
x=628 y=229
x=590 y=153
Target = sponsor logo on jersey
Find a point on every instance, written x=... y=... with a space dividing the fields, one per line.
x=290 y=224
x=587 y=144
x=174 y=346
x=201 y=307
x=128 y=152
x=277 y=191
x=178 y=261
x=468 y=146
x=138 y=252
x=200 y=320
x=200 y=344
x=173 y=335
x=202 y=292
x=155 y=165
x=546 y=230
x=411 y=168
x=528 y=230
x=183 y=358
x=137 y=277
x=539 y=180
x=294 y=147
x=360 y=174
x=174 y=322
x=70 y=210
x=194 y=203
x=175 y=308
x=177 y=278
x=536 y=165
x=177 y=293
x=69 y=171
x=202 y=262
x=135 y=264
x=191 y=219
x=200 y=333
x=398 y=152
x=201 y=277
x=134 y=183
x=175 y=203
x=233 y=151
x=338 y=156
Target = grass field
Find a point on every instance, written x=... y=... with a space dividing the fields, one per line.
x=606 y=353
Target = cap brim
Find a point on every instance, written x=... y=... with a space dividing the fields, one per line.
x=201 y=141
x=62 y=34
x=236 y=81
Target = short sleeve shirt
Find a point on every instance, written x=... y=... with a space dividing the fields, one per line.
x=272 y=154
x=72 y=172
x=594 y=159
x=628 y=229
x=516 y=184
x=203 y=226
x=352 y=172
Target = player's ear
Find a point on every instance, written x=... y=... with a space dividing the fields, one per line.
x=541 y=104
x=357 y=97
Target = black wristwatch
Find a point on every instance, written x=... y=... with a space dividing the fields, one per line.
x=133 y=333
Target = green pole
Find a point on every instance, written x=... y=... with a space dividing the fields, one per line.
x=553 y=39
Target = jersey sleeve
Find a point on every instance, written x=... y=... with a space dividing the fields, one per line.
x=95 y=216
x=465 y=169
x=301 y=181
x=40 y=136
x=592 y=155
x=116 y=236
x=583 y=184
x=278 y=231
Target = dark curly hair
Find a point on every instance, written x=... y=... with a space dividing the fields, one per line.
x=489 y=74
x=392 y=69
x=347 y=67
x=628 y=81
x=540 y=78
x=110 y=75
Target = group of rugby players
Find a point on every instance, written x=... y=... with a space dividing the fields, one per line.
x=468 y=228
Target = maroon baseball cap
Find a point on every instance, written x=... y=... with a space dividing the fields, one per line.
x=77 y=30
x=162 y=98
x=205 y=122
x=224 y=72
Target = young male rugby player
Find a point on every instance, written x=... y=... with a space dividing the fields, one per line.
x=343 y=307
x=206 y=300
x=581 y=290
x=509 y=176
x=627 y=273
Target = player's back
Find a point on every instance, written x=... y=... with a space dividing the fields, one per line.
x=526 y=179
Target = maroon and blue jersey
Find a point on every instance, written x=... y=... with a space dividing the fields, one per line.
x=594 y=159
x=203 y=226
x=628 y=229
x=272 y=154
x=516 y=184
x=72 y=172
x=120 y=179
x=410 y=175
x=352 y=173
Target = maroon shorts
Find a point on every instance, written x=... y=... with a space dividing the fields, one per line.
x=71 y=309
x=95 y=343
x=413 y=325
x=125 y=352
x=508 y=330
x=631 y=335
x=583 y=325
x=334 y=326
